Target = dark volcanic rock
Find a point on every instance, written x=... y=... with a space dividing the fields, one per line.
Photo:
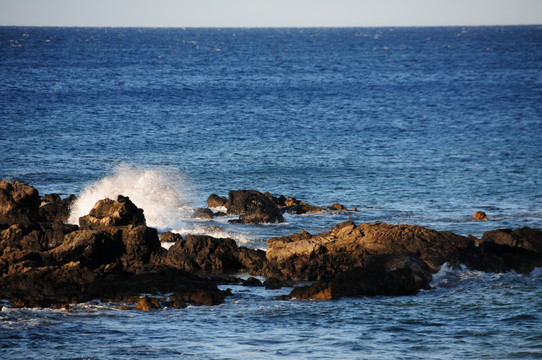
x=91 y=248
x=55 y=209
x=253 y=207
x=19 y=203
x=393 y=275
x=505 y=250
x=206 y=253
x=107 y=213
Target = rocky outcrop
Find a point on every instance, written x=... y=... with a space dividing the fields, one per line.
x=504 y=250
x=253 y=207
x=108 y=213
x=391 y=275
x=215 y=201
x=55 y=209
x=209 y=254
x=113 y=255
x=19 y=203
x=346 y=246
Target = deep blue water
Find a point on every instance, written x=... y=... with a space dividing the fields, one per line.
x=410 y=125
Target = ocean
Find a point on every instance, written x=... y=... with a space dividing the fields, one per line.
x=417 y=126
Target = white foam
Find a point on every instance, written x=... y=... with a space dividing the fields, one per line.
x=161 y=194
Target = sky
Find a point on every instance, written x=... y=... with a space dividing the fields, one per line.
x=269 y=13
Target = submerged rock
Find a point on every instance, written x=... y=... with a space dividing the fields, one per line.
x=479 y=215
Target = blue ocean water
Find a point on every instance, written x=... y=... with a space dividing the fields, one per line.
x=409 y=125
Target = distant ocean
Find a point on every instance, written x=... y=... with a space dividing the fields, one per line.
x=409 y=125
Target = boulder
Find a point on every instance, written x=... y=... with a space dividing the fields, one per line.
x=215 y=201
x=55 y=209
x=209 y=254
x=479 y=215
x=19 y=203
x=203 y=213
x=107 y=213
x=253 y=207
x=390 y=275
x=91 y=248
x=141 y=245
x=346 y=246
x=504 y=250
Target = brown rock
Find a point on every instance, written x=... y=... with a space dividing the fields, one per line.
x=215 y=201
x=147 y=303
x=19 y=203
x=504 y=250
x=253 y=207
x=203 y=213
x=54 y=209
x=391 y=275
x=107 y=213
x=206 y=253
x=346 y=246
x=479 y=215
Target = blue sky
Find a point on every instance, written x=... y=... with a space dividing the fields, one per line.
x=265 y=13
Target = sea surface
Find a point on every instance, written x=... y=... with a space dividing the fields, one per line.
x=408 y=125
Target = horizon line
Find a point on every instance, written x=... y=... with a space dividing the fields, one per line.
x=268 y=27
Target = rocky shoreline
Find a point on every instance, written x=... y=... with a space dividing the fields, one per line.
x=114 y=256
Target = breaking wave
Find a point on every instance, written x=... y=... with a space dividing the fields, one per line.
x=161 y=194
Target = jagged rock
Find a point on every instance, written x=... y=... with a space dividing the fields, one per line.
x=54 y=209
x=147 y=303
x=293 y=206
x=215 y=201
x=525 y=238
x=19 y=203
x=346 y=246
x=141 y=246
x=479 y=215
x=253 y=207
x=107 y=213
x=504 y=250
x=169 y=236
x=206 y=253
x=392 y=275
x=91 y=248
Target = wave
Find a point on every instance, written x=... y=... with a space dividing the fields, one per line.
x=161 y=194
x=449 y=277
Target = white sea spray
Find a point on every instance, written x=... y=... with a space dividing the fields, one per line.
x=161 y=194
